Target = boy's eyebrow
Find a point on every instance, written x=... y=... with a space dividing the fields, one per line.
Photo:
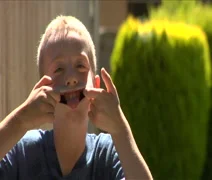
x=59 y=57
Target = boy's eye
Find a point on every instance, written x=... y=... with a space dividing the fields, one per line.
x=81 y=66
x=58 y=70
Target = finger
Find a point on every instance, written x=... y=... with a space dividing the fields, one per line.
x=93 y=108
x=108 y=82
x=55 y=95
x=51 y=92
x=45 y=80
x=49 y=117
x=47 y=98
x=92 y=92
x=47 y=108
x=91 y=116
x=50 y=109
x=97 y=81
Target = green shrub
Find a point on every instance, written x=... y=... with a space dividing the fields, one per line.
x=191 y=12
x=162 y=73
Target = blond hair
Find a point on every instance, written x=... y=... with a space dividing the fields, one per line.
x=58 y=29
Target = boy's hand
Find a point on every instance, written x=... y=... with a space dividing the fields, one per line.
x=39 y=106
x=105 y=111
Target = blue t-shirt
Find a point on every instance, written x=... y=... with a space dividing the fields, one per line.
x=34 y=157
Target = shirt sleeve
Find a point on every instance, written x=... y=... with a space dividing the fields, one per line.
x=106 y=161
x=13 y=166
x=117 y=171
x=8 y=166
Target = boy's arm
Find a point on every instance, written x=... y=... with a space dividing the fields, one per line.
x=11 y=132
x=35 y=111
x=106 y=114
x=133 y=164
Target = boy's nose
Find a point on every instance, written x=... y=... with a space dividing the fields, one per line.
x=71 y=81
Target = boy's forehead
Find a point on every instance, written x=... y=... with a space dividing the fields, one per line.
x=71 y=44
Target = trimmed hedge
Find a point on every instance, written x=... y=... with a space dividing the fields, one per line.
x=162 y=73
x=191 y=12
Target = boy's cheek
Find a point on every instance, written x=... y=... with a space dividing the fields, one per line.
x=57 y=82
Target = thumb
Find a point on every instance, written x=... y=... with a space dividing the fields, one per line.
x=91 y=117
x=45 y=80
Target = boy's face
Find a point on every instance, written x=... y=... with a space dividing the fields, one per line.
x=67 y=63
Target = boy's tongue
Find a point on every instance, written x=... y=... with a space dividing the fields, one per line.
x=73 y=99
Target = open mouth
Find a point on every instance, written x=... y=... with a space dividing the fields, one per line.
x=72 y=98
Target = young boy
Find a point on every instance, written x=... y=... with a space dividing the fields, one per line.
x=67 y=95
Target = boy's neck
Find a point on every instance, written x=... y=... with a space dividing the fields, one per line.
x=69 y=139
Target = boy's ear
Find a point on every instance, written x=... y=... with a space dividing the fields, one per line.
x=97 y=81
